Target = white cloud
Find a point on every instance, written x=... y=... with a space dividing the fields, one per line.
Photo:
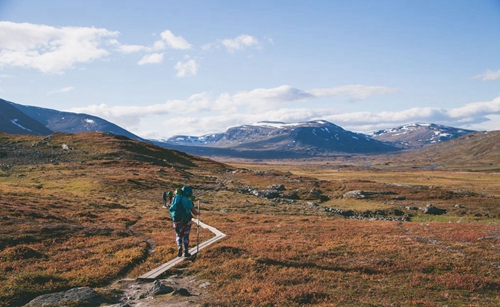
x=239 y=43
x=262 y=99
x=132 y=48
x=175 y=42
x=476 y=109
x=488 y=75
x=265 y=98
x=154 y=58
x=188 y=68
x=61 y=90
x=356 y=92
x=167 y=40
x=50 y=49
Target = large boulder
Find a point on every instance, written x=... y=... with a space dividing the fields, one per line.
x=72 y=296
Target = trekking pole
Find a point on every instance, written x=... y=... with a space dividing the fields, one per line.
x=198 y=231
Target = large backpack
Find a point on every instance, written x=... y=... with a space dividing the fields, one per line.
x=187 y=191
x=177 y=211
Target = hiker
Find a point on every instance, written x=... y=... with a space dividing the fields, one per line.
x=164 y=196
x=167 y=196
x=181 y=211
x=170 y=196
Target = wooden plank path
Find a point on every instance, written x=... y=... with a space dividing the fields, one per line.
x=153 y=274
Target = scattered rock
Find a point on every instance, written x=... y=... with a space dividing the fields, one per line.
x=315 y=194
x=360 y=194
x=430 y=209
x=157 y=289
x=412 y=208
x=269 y=194
x=204 y=285
x=277 y=187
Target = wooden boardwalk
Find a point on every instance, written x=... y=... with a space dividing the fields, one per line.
x=153 y=274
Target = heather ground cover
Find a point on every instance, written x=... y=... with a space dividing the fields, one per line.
x=92 y=215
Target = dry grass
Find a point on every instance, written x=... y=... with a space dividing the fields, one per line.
x=94 y=215
x=293 y=261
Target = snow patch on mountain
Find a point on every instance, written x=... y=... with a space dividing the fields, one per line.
x=15 y=122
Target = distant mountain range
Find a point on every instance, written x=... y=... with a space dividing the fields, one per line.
x=284 y=139
x=260 y=140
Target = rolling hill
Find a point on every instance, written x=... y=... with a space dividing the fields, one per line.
x=475 y=150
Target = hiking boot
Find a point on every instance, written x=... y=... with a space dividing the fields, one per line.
x=179 y=252
x=187 y=254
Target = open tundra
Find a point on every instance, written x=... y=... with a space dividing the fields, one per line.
x=86 y=210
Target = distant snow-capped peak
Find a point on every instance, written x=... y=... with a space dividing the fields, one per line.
x=417 y=135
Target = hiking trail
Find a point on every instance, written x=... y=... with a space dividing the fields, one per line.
x=153 y=274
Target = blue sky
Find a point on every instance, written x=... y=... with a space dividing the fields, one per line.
x=160 y=68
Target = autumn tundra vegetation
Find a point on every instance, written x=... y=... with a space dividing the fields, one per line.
x=86 y=210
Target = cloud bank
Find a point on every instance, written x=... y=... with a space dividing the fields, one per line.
x=210 y=114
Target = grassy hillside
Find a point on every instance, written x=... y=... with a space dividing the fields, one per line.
x=473 y=151
x=88 y=213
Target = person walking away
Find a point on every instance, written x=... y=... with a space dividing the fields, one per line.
x=182 y=211
x=164 y=196
x=170 y=196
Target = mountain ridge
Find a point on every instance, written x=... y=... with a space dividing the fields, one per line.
x=68 y=122
x=14 y=121
x=265 y=139
x=312 y=138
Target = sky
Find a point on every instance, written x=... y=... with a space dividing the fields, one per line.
x=163 y=68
